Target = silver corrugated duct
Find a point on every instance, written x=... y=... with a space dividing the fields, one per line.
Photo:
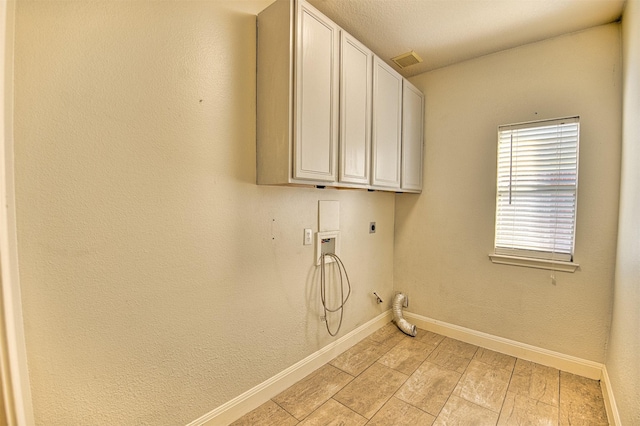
x=399 y=301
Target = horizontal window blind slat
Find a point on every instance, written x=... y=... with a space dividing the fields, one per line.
x=536 y=227
x=528 y=234
x=557 y=142
x=533 y=241
x=535 y=224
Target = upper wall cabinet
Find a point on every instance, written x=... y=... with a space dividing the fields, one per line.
x=328 y=112
x=316 y=95
x=297 y=95
x=412 y=137
x=386 y=142
x=355 y=111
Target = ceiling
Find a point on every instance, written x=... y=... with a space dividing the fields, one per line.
x=444 y=32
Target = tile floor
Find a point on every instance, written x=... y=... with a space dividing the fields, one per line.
x=390 y=378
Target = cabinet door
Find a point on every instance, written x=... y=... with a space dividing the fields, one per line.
x=316 y=96
x=412 y=137
x=387 y=122
x=355 y=110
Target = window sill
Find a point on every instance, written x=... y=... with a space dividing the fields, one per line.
x=528 y=262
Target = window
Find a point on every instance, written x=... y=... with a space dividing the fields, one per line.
x=537 y=193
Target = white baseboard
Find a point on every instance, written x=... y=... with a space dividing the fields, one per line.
x=570 y=364
x=609 y=399
x=258 y=395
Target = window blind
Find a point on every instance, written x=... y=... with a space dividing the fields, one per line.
x=537 y=189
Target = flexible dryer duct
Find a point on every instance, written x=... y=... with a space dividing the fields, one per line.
x=399 y=301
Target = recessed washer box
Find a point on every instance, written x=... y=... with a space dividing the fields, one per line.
x=327 y=242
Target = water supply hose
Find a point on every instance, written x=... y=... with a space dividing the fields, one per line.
x=323 y=290
x=399 y=301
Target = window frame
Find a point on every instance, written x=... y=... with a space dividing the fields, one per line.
x=530 y=257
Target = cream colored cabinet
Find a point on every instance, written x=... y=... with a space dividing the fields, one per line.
x=355 y=111
x=316 y=105
x=329 y=112
x=386 y=137
x=412 y=137
x=297 y=95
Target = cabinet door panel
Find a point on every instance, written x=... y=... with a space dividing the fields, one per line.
x=412 y=137
x=355 y=110
x=387 y=122
x=316 y=96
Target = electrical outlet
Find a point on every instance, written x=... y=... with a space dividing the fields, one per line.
x=308 y=236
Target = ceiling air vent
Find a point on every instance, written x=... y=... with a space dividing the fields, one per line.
x=407 y=59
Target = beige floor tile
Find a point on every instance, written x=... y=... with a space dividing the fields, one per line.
x=449 y=361
x=429 y=387
x=581 y=401
x=332 y=413
x=495 y=359
x=389 y=335
x=462 y=349
x=312 y=391
x=268 y=414
x=399 y=413
x=453 y=355
x=536 y=381
x=459 y=412
x=483 y=385
x=406 y=356
x=428 y=337
x=520 y=410
x=368 y=392
x=359 y=357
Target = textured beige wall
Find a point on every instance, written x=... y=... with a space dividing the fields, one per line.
x=444 y=236
x=623 y=354
x=158 y=280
